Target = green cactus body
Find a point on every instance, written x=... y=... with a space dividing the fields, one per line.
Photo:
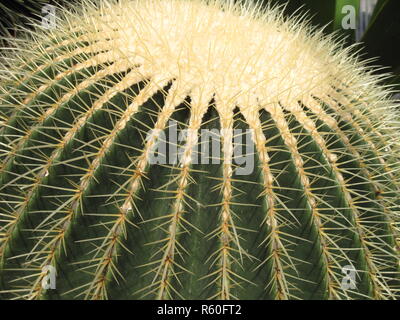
x=85 y=107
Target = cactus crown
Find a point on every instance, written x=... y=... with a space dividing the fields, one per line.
x=84 y=106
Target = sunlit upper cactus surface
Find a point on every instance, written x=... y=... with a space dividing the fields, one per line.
x=85 y=104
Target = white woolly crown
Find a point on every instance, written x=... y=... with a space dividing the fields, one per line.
x=241 y=54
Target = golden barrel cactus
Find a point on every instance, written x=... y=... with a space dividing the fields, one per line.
x=171 y=149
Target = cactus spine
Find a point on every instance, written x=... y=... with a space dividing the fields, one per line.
x=85 y=105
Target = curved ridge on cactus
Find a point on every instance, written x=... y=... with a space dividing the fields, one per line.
x=87 y=107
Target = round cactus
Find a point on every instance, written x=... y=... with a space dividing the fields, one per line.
x=194 y=150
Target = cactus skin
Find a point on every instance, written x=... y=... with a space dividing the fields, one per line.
x=77 y=190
